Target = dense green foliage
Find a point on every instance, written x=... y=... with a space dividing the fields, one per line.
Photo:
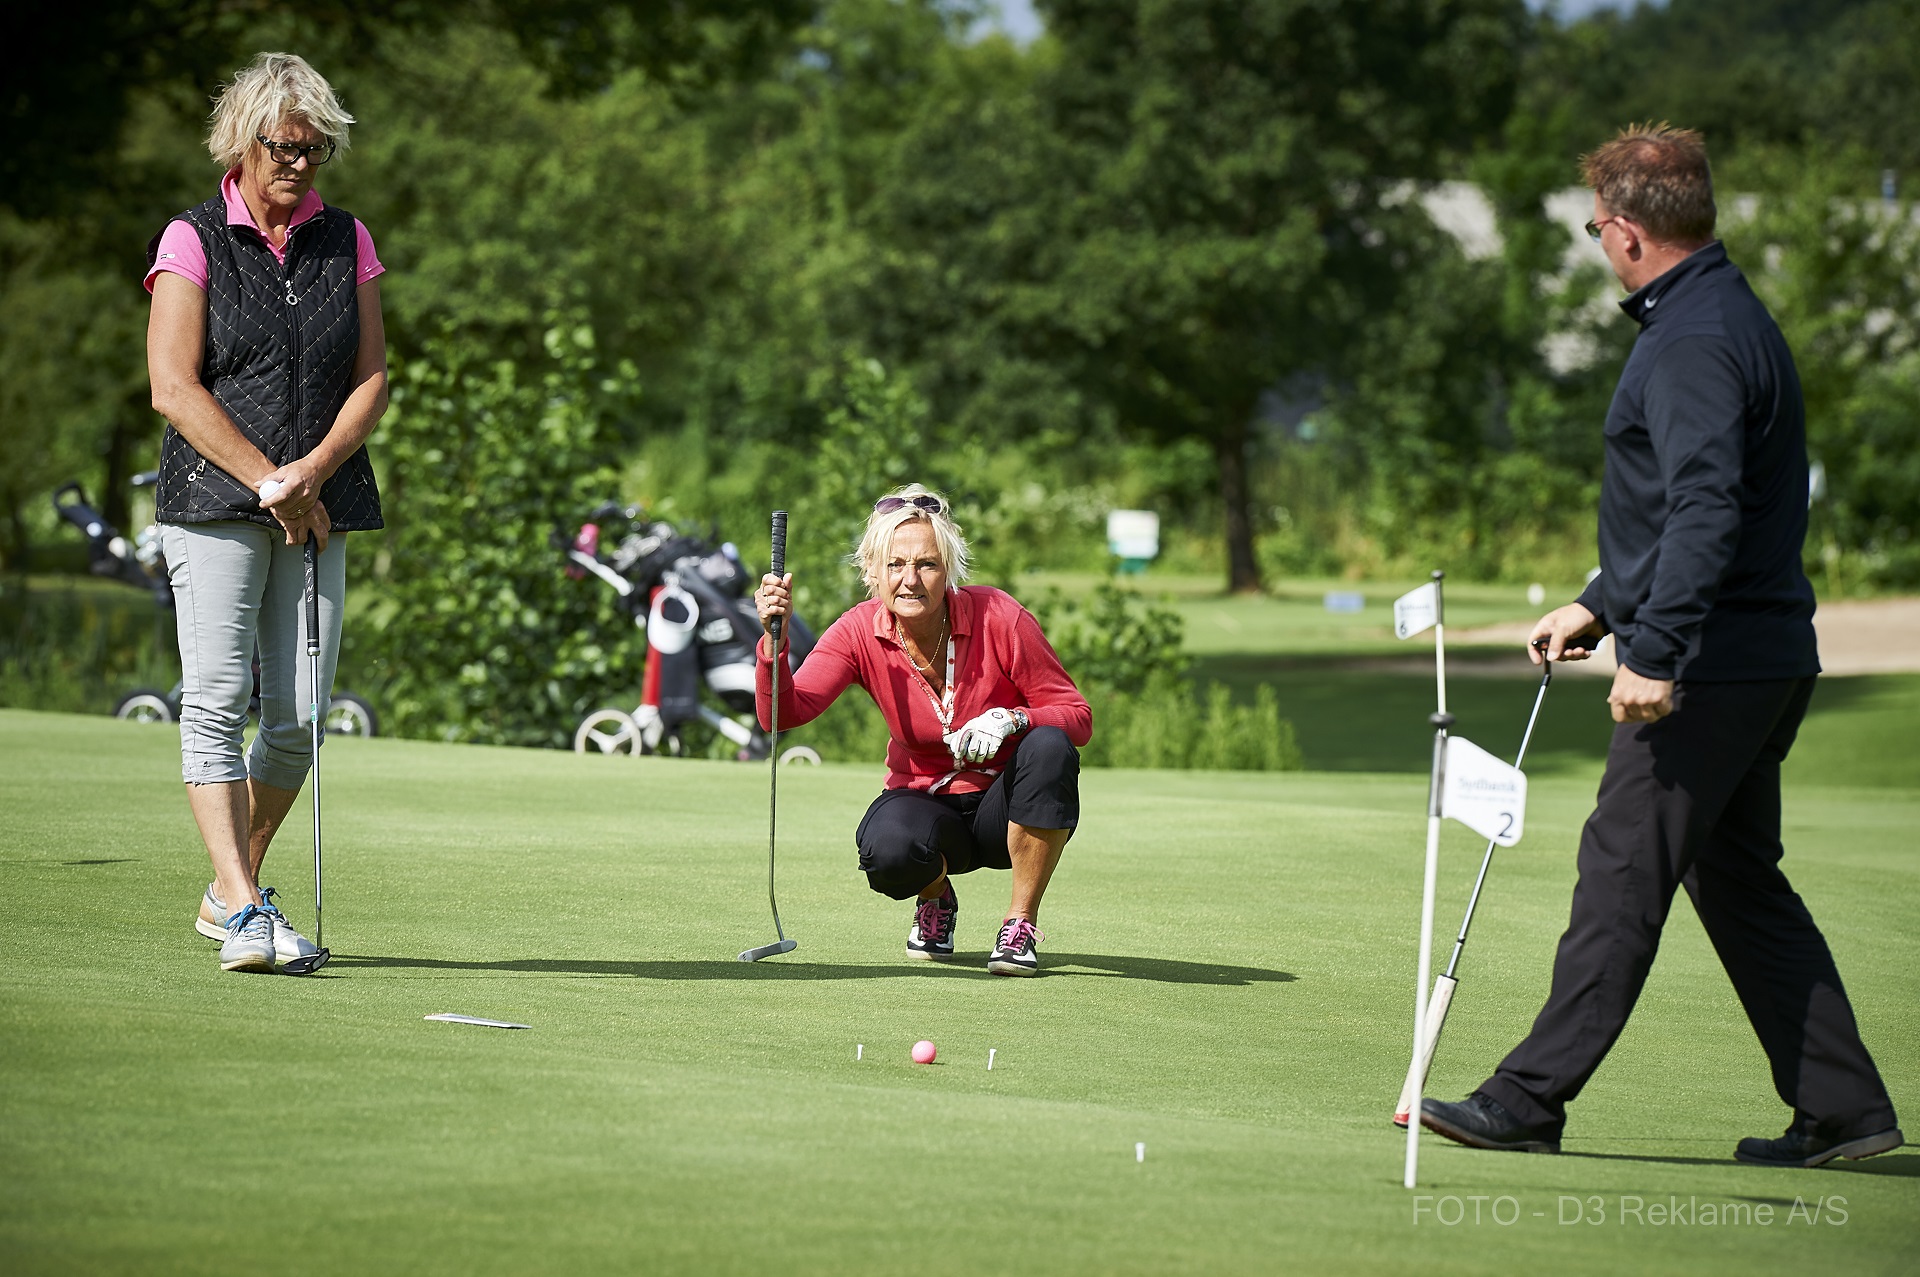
x=1127 y=656
x=476 y=634
x=1170 y=256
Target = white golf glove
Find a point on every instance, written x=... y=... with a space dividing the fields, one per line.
x=981 y=739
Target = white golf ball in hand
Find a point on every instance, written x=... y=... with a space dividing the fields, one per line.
x=270 y=487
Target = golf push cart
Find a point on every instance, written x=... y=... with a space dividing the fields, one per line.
x=693 y=598
x=140 y=564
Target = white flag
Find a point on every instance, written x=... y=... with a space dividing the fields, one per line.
x=1416 y=610
x=1483 y=793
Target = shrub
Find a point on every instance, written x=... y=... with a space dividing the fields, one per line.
x=473 y=633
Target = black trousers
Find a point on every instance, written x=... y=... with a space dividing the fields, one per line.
x=908 y=834
x=1693 y=801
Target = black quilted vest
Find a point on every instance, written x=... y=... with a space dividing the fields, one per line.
x=279 y=358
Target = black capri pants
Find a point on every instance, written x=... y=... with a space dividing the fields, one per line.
x=907 y=834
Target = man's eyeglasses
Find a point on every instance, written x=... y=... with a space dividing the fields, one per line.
x=1594 y=228
x=931 y=504
x=290 y=152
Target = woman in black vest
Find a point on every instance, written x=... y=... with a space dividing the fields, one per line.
x=268 y=360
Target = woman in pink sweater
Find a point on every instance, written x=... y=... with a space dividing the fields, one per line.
x=983 y=770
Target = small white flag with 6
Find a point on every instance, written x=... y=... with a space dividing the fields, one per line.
x=1416 y=610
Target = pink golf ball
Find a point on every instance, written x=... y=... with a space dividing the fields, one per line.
x=923 y=1052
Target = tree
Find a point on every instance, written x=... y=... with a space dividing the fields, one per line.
x=70 y=88
x=1841 y=274
x=1183 y=204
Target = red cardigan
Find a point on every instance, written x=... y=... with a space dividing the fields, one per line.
x=1001 y=661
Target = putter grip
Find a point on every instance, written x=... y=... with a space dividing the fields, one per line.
x=779 y=562
x=313 y=594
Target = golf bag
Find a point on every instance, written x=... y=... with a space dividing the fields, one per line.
x=693 y=598
x=109 y=554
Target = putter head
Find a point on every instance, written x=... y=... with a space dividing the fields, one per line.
x=307 y=964
x=769 y=950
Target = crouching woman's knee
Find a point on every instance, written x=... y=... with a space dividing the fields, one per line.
x=896 y=865
x=1046 y=753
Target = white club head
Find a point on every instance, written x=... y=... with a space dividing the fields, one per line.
x=769 y=950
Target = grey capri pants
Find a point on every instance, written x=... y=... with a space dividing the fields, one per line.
x=236 y=584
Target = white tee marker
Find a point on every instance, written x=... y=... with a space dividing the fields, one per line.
x=990 y=1051
x=858 y=1048
x=1139 y=1152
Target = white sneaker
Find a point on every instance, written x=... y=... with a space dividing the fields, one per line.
x=249 y=942
x=1015 y=952
x=296 y=954
x=212 y=922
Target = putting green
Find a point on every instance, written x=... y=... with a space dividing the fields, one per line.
x=1227 y=982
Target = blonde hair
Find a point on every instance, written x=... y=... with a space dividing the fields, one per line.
x=877 y=542
x=272 y=88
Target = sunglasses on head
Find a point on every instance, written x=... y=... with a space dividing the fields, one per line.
x=932 y=505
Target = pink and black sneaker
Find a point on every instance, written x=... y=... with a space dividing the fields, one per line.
x=1014 y=953
x=932 y=933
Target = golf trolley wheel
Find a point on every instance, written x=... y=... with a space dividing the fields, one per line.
x=348 y=715
x=799 y=754
x=607 y=731
x=144 y=705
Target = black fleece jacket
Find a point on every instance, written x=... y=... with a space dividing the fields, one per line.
x=1703 y=507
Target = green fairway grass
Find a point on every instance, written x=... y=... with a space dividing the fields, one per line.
x=1227 y=980
x=1859 y=730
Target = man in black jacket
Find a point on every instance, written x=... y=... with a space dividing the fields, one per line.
x=1703 y=512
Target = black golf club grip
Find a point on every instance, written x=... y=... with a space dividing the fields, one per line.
x=779 y=563
x=313 y=594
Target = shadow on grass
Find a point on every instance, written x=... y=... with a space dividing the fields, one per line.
x=1906 y=1166
x=1648 y=1157
x=1158 y=970
x=119 y=860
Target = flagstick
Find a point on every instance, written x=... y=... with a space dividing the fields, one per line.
x=1436 y=782
x=1439 y=643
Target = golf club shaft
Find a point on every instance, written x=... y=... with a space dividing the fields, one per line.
x=313 y=717
x=1486 y=860
x=773 y=721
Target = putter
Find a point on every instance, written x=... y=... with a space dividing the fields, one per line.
x=1444 y=986
x=782 y=944
x=308 y=965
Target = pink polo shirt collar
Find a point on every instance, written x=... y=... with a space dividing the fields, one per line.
x=238 y=214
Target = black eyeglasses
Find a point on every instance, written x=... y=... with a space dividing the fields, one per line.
x=1594 y=228
x=290 y=152
x=932 y=505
